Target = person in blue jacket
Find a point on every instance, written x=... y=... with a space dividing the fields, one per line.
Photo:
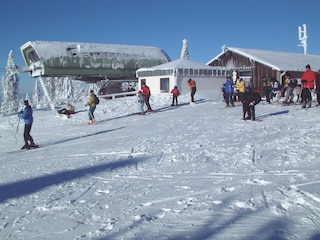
x=229 y=92
x=26 y=115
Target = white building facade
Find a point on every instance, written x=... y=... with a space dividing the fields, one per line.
x=161 y=79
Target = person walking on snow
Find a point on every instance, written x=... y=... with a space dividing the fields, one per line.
x=26 y=115
x=146 y=93
x=193 y=88
x=92 y=107
x=175 y=93
x=307 y=81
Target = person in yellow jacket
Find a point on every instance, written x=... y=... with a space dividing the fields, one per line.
x=285 y=84
x=241 y=89
x=237 y=88
x=92 y=103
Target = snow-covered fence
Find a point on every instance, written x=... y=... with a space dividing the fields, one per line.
x=116 y=95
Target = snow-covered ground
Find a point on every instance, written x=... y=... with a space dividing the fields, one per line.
x=187 y=172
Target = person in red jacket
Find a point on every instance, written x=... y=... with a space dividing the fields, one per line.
x=146 y=93
x=318 y=88
x=193 y=88
x=175 y=93
x=307 y=81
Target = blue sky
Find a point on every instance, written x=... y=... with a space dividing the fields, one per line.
x=206 y=24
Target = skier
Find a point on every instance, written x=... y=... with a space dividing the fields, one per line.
x=307 y=81
x=68 y=110
x=175 y=93
x=146 y=93
x=92 y=103
x=26 y=115
x=193 y=88
x=250 y=99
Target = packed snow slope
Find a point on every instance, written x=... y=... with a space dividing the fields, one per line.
x=184 y=172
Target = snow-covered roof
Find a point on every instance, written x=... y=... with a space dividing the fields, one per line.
x=49 y=49
x=280 y=61
x=179 y=64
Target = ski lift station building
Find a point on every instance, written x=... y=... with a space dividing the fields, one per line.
x=162 y=78
x=89 y=62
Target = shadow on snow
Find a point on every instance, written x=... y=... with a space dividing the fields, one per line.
x=25 y=187
x=272 y=114
x=79 y=137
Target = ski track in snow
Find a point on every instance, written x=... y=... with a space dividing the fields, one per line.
x=182 y=173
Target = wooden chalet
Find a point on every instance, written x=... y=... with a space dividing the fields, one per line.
x=253 y=65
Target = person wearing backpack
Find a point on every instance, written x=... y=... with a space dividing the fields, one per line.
x=93 y=101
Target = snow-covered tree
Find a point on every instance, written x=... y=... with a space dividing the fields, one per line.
x=78 y=89
x=36 y=93
x=60 y=89
x=64 y=88
x=10 y=100
x=51 y=87
x=185 y=50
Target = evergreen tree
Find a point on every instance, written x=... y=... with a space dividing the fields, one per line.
x=51 y=88
x=10 y=100
x=185 y=50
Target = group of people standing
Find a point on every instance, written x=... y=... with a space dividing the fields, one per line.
x=309 y=81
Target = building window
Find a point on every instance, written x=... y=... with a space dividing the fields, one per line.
x=33 y=56
x=164 y=85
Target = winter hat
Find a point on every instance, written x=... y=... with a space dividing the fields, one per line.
x=91 y=91
x=26 y=102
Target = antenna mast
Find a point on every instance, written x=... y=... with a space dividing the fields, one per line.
x=303 y=37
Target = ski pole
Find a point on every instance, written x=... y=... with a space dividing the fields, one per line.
x=16 y=134
x=219 y=97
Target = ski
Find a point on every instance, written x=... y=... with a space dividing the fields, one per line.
x=26 y=149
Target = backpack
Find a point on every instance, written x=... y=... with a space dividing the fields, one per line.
x=96 y=100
